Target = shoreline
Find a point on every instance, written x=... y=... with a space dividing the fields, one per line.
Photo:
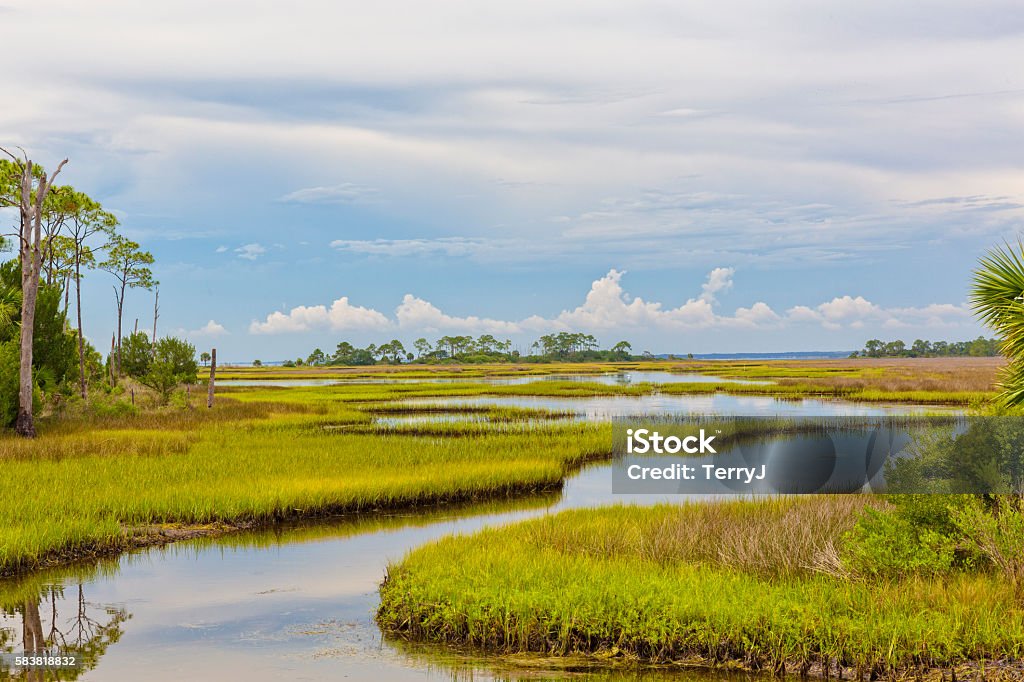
x=161 y=535
x=611 y=659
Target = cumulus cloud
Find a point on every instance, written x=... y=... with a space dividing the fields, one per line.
x=211 y=328
x=415 y=313
x=856 y=312
x=251 y=251
x=757 y=315
x=607 y=306
x=341 y=316
x=719 y=280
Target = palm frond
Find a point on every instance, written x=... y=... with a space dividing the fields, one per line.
x=997 y=298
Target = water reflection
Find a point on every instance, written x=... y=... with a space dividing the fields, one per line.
x=295 y=601
x=52 y=615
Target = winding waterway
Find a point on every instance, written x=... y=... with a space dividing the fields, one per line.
x=297 y=602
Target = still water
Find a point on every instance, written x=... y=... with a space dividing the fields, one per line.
x=607 y=407
x=292 y=603
x=614 y=379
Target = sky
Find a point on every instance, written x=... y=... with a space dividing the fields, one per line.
x=689 y=176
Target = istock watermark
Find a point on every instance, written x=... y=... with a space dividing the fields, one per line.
x=808 y=455
x=642 y=441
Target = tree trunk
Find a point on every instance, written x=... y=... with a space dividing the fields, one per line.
x=120 y=311
x=30 y=255
x=213 y=375
x=32 y=627
x=67 y=292
x=83 y=384
x=24 y=425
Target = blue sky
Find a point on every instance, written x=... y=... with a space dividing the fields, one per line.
x=692 y=177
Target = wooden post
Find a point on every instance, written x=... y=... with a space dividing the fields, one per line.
x=213 y=373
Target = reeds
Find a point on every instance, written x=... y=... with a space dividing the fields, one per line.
x=79 y=489
x=729 y=584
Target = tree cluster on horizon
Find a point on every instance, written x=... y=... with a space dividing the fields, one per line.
x=979 y=347
x=560 y=347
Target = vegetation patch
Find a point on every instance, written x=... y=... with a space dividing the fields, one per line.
x=748 y=584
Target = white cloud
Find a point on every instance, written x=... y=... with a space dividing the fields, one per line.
x=719 y=280
x=757 y=315
x=341 y=316
x=856 y=311
x=607 y=306
x=446 y=246
x=415 y=313
x=251 y=251
x=211 y=328
x=343 y=193
x=221 y=249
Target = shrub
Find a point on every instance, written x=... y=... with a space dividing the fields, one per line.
x=104 y=405
x=10 y=361
x=136 y=354
x=890 y=543
x=174 y=363
x=996 y=532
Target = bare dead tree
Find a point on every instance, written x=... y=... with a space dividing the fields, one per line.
x=33 y=191
x=156 y=313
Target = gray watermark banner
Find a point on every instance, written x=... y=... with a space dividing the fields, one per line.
x=810 y=455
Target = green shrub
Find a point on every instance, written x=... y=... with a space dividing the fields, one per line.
x=107 y=405
x=10 y=361
x=173 y=364
x=889 y=543
x=994 y=528
x=136 y=354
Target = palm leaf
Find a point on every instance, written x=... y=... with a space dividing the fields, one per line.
x=997 y=297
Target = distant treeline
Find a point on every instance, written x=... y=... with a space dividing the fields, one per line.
x=561 y=347
x=979 y=348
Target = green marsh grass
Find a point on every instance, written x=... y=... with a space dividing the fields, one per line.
x=77 y=490
x=730 y=584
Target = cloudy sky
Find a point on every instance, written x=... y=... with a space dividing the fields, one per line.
x=690 y=176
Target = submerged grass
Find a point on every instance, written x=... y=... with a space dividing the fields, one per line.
x=734 y=583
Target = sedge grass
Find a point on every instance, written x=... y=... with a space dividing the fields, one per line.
x=731 y=584
x=72 y=492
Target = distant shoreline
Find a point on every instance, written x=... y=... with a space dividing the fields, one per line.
x=792 y=355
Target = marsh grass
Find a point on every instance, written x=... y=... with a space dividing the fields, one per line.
x=494 y=413
x=776 y=537
x=730 y=584
x=83 y=486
